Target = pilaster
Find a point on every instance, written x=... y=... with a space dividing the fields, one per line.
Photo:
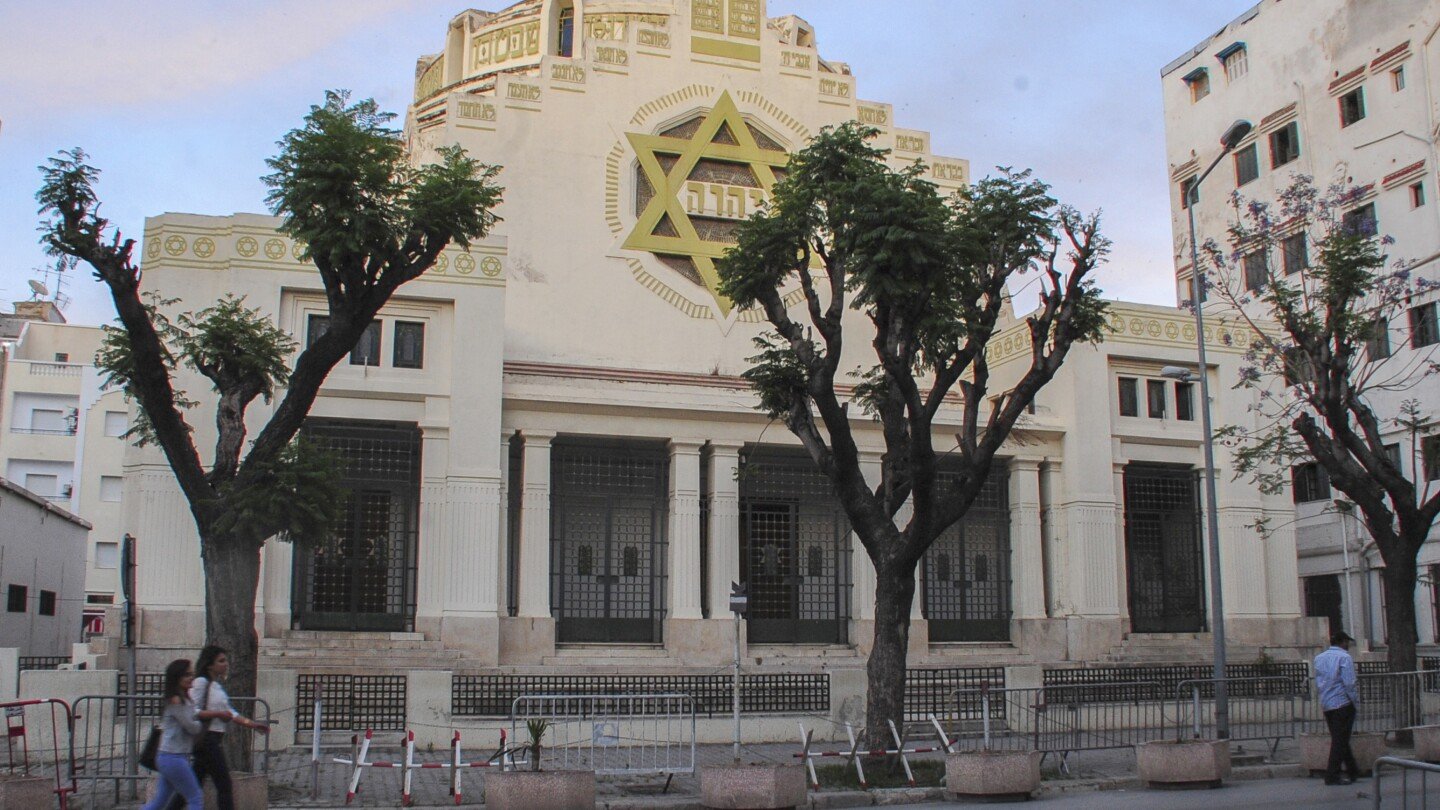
x=1026 y=544
x=535 y=526
x=684 y=534
x=724 y=563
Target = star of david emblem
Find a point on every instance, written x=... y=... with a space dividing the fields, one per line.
x=666 y=225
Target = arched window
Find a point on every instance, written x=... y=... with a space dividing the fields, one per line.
x=565 y=31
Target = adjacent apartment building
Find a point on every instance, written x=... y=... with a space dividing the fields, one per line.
x=1344 y=91
x=61 y=434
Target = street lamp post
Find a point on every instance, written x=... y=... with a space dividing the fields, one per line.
x=1228 y=142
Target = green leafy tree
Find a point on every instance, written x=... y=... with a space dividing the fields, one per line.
x=930 y=274
x=370 y=221
x=1310 y=275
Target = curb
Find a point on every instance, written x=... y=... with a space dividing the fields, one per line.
x=888 y=797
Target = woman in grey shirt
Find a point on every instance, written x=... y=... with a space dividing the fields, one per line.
x=179 y=727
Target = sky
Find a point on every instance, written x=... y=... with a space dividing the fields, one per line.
x=179 y=102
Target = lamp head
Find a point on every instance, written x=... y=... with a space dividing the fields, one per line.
x=1235 y=134
x=1178 y=373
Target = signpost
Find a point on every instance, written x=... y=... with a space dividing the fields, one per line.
x=739 y=603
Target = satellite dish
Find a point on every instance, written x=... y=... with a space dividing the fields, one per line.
x=39 y=288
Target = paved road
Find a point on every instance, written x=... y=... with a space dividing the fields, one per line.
x=1268 y=794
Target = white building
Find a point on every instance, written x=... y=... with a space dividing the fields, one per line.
x=557 y=468
x=1344 y=91
x=42 y=572
x=61 y=438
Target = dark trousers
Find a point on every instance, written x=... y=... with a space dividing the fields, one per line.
x=209 y=760
x=1341 y=722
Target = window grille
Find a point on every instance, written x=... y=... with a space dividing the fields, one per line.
x=608 y=510
x=1162 y=544
x=1352 y=107
x=362 y=575
x=1285 y=144
x=760 y=693
x=1124 y=684
x=351 y=702
x=1295 y=253
x=965 y=575
x=789 y=519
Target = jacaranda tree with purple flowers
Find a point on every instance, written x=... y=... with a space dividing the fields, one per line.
x=1311 y=275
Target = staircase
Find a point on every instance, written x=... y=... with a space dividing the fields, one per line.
x=315 y=652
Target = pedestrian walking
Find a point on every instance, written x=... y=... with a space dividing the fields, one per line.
x=208 y=694
x=1335 y=684
x=180 y=726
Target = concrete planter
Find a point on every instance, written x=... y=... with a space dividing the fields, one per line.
x=752 y=787
x=992 y=775
x=1181 y=764
x=1427 y=743
x=1315 y=751
x=27 y=791
x=529 y=790
x=251 y=791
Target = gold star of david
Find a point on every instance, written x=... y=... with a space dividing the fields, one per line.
x=669 y=186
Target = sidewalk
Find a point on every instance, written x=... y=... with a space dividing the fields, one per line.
x=290 y=784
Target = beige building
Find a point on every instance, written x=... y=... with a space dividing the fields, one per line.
x=1344 y=91
x=61 y=437
x=42 y=573
x=556 y=468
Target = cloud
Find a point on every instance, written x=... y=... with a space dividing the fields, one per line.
x=77 y=55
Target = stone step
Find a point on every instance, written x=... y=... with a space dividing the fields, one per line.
x=348 y=644
x=357 y=635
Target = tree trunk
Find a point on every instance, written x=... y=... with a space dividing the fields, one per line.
x=894 y=594
x=232 y=575
x=1401 y=638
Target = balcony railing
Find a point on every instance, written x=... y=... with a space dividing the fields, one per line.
x=55 y=369
x=65 y=431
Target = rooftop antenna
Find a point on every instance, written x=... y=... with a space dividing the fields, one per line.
x=55 y=290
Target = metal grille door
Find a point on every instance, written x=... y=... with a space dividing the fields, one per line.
x=608 y=512
x=1162 y=550
x=794 y=553
x=967 y=571
x=362 y=575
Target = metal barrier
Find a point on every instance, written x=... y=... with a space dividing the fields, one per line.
x=1061 y=719
x=611 y=734
x=106 y=744
x=1390 y=701
x=1265 y=708
x=1405 y=766
x=21 y=716
x=854 y=754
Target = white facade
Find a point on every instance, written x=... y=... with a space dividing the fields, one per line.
x=42 y=573
x=575 y=470
x=1353 y=85
x=61 y=438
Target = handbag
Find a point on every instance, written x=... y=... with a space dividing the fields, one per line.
x=150 y=749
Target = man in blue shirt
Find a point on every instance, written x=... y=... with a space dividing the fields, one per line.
x=1335 y=685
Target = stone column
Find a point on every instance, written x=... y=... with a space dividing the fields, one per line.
x=1026 y=550
x=534 y=576
x=1119 y=568
x=724 y=549
x=684 y=539
x=862 y=571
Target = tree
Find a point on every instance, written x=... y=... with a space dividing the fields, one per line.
x=370 y=221
x=1328 y=387
x=930 y=273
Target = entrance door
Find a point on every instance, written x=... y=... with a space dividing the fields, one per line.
x=794 y=554
x=1323 y=598
x=607 y=557
x=966 y=573
x=362 y=575
x=1162 y=549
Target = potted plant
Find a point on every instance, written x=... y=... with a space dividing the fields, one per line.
x=1184 y=763
x=992 y=775
x=536 y=787
x=1367 y=746
x=1427 y=743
